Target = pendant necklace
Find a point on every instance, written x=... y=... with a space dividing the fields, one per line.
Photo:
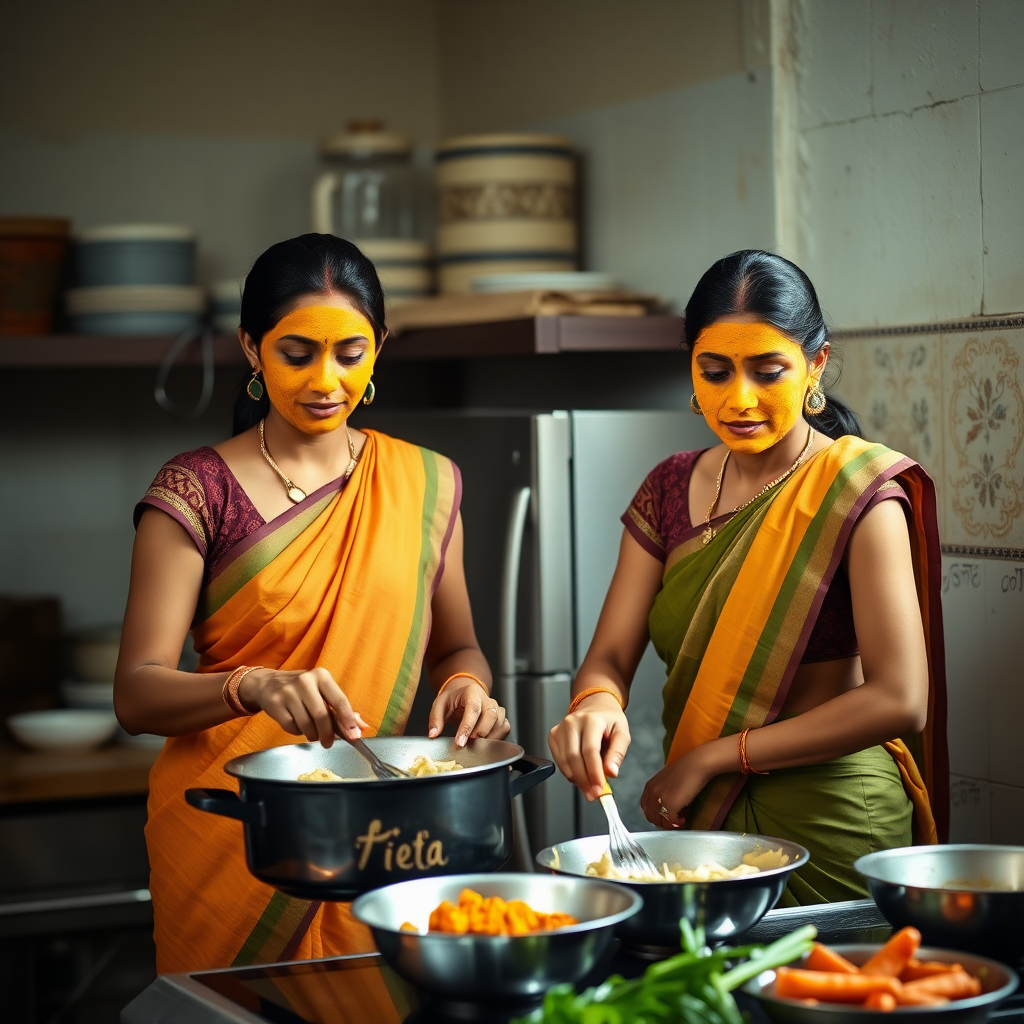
x=296 y=493
x=709 y=532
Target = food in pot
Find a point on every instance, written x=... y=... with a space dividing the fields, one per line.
x=753 y=864
x=423 y=765
x=320 y=775
x=491 y=915
x=891 y=978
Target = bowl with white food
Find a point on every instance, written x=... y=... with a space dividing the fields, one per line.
x=722 y=881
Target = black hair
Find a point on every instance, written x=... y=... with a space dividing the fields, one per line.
x=781 y=294
x=300 y=266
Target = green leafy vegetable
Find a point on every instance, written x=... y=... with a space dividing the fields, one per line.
x=694 y=986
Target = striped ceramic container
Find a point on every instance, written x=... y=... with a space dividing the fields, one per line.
x=404 y=265
x=506 y=204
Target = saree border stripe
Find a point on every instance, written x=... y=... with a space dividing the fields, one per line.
x=276 y=926
x=812 y=567
x=248 y=564
x=436 y=521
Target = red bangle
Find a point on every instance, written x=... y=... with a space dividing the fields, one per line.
x=589 y=692
x=745 y=767
x=230 y=691
x=464 y=675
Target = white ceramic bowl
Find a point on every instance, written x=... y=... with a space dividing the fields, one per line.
x=65 y=729
x=94 y=696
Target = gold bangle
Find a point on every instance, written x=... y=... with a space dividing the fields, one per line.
x=229 y=691
x=589 y=692
x=464 y=675
x=745 y=766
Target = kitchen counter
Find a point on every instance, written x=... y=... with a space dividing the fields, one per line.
x=114 y=770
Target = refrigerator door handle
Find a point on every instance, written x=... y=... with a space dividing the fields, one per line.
x=518 y=511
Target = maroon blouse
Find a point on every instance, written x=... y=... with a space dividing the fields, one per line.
x=199 y=491
x=659 y=516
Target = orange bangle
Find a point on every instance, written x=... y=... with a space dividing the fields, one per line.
x=463 y=675
x=745 y=766
x=229 y=691
x=589 y=692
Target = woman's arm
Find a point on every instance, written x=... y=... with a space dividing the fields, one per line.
x=452 y=648
x=892 y=700
x=151 y=695
x=592 y=741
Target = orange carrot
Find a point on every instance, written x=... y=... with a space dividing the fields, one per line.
x=884 y=1001
x=821 y=958
x=918 y=969
x=909 y=997
x=952 y=985
x=829 y=987
x=890 y=960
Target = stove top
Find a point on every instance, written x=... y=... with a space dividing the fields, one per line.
x=362 y=989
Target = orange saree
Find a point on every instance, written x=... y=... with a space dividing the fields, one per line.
x=342 y=581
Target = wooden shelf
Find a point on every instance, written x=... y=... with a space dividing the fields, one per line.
x=85 y=350
x=114 y=770
x=540 y=335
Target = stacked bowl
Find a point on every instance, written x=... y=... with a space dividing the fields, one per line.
x=135 y=279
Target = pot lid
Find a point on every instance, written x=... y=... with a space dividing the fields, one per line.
x=365 y=139
x=137 y=233
x=504 y=143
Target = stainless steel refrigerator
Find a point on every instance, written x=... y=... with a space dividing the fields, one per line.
x=542 y=497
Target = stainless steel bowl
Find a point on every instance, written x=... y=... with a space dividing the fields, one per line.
x=965 y=896
x=997 y=982
x=725 y=908
x=460 y=969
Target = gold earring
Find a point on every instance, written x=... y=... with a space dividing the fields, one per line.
x=369 y=394
x=814 y=400
x=694 y=407
x=254 y=389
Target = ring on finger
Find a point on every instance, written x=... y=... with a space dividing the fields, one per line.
x=662 y=809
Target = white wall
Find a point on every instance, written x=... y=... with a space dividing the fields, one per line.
x=909 y=136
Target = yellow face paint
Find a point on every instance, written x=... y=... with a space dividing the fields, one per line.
x=747 y=411
x=312 y=382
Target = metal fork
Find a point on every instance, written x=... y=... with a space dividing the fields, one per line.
x=626 y=853
x=381 y=769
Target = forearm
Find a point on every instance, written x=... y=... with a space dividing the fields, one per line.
x=161 y=700
x=863 y=717
x=598 y=672
x=469 y=659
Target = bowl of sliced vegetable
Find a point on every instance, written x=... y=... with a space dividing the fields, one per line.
x=849 y=984
x=501 y=938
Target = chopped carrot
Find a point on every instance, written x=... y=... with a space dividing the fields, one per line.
x=408 y=926
x=918 y=969
x=884 y=1001
x=821 y=958
x=890 y=960
x=908 y=997
x=829 y=987
x=952 y=985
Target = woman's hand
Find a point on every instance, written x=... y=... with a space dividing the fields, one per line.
x=301 y=702
x=482 y=715
x=668 y=795
x=591 y=743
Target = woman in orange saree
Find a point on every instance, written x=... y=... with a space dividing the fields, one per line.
x=303 y=607
x=801 y=631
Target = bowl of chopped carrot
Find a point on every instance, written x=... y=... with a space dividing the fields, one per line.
x=494 y=938
x=839 y=984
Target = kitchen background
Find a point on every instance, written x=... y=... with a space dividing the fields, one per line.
x=878 y=143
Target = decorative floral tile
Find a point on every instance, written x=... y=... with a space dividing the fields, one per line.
x=895 y=385
x=983 y=492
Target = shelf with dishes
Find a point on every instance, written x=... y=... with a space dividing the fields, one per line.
x=537 y=335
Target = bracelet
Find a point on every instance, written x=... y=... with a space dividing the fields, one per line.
x=464 y=675
x=589 y=692
x=745 y=766
x=229 y=691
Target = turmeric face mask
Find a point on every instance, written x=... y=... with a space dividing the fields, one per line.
x=750 y=381
x=313 y=378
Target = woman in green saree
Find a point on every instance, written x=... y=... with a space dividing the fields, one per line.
x=789 y=580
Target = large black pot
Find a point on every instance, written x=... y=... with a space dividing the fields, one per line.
x=336 y=840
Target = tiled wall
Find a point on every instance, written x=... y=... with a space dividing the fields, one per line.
x=953 y=399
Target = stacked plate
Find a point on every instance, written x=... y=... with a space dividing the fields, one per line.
x=135 y=279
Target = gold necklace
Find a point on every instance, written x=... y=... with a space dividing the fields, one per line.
x=708 y=534
x=296 y=493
